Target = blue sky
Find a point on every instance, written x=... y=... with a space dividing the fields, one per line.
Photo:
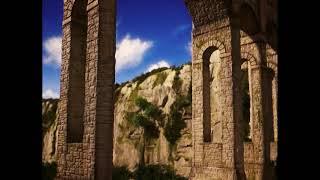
x=150 y=34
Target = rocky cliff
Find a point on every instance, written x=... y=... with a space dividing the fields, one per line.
x=162 y=93
x=165 y=88
x=49 y=129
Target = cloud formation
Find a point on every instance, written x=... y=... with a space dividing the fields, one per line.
x=49 y=93
x=189 y=47
x=53 y=49
x=160 y=64
x=130 y=52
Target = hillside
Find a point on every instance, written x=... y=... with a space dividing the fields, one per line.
x=166 y=91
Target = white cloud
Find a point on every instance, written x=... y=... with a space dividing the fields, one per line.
x=52 y=47
x=189 y=47
x=49 y=93
x=130 y=52
x=160 y=64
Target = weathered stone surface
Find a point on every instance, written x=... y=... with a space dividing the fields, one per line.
x=224 y=35
x=127 y=138
x=85 y=124
x=49 y=140
x=242 y=30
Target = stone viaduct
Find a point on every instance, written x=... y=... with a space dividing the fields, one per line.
x=231 y=40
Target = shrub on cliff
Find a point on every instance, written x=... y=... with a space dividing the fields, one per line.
x=49 y=170
x=156 y=172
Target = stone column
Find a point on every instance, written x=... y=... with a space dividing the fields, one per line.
x=257 y=121
x=90 y=158
x=275 y=105
x=197 y=113
x=101 y=74
x=260 y=139
x=237 y=98
x=62 y=119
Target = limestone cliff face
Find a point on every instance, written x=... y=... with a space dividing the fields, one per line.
x=127 y=139
x=49 y=127
x=158 y=89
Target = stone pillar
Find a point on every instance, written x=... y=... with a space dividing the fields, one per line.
x=237 y=98
x=224 y=159
x=105 y=89
x=261 y=114
x=275 y=105
x=197 y=124
x=90 y=158
x=257 y=122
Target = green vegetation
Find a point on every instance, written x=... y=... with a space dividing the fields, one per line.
x=177 y=82
x=146 y=117
x=175 y=123
x=156 y=172
x=144 y=76
x=121 y=173
x=161 y=77
x=176 y=68
x=49 y=170
x=146 y=172
x=134 y=94
x=150 y=128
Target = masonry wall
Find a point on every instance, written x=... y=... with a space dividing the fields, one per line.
x=235 y=33
x=263 y=91
x=91 y=156
x=217 y=159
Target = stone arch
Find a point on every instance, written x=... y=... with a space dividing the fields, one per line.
x=211 y=43
x=248 y=19
x=210 y=57
x=273 y=66
x=69 y=4
x=249 y=57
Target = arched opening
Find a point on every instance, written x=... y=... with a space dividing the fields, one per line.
x=248 y=20
x=245 y=91
x=212 y=127
x=76 y=93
